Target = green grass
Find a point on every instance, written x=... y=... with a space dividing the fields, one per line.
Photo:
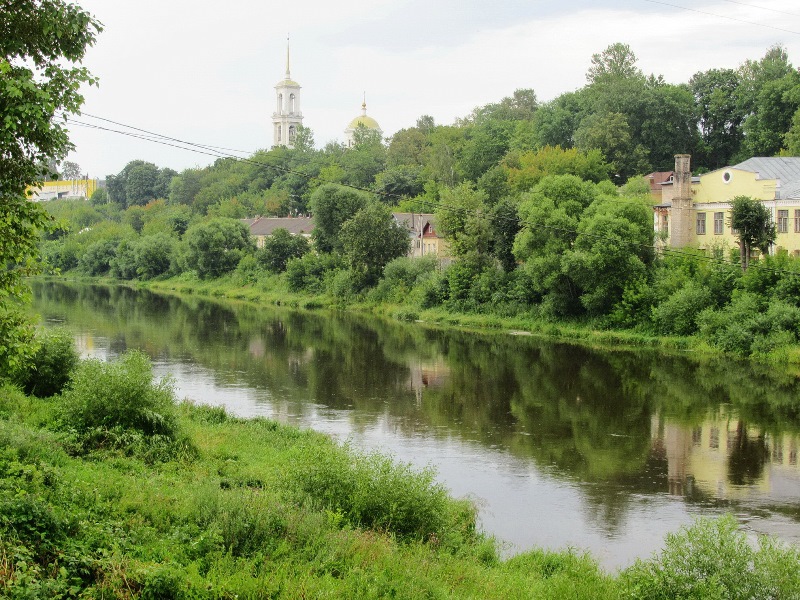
x=262 y=510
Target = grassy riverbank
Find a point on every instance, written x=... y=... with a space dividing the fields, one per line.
x=111 y=490
x=273 y=291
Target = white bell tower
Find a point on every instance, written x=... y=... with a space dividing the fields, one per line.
x=287 y=116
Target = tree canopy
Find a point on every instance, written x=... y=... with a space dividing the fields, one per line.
x=752 y=224
x=42 y=42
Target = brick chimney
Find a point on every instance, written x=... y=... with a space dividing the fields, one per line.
x=683 y=212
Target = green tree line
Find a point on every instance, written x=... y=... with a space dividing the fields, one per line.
x=542 y=205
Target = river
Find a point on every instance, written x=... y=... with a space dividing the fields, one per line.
x=559 y=446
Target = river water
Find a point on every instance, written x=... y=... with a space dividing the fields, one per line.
x=559 y=446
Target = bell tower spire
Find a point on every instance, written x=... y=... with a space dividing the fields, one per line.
x=287 y=116
x=288 y=73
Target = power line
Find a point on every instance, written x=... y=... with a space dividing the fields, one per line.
x=775 y=10
x=212 y=151
x=705 y=12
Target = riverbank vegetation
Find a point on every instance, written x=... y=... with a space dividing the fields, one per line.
x=548 y=221
x=129 y=494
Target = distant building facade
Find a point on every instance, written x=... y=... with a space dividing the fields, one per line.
x=64 y=188
x=263 y=227
x=696 y=211
x=425 y=241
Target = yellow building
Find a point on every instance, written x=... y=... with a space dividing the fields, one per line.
x=64 y=188
x=696 y=211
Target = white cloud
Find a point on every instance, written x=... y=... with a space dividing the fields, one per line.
x=206 y=73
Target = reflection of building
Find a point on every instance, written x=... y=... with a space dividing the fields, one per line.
x=725 y=459
x=427 y=375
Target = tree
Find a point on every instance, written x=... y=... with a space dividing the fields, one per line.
x=140 y=184
x=332 y=205
x=716 y=94
x=281 y=247
x=462 y=218
x=371 y=239
x=615 y=62
x=611 y=134
x=753 y=226
x=365 y=159
x=70 y=170
x=398 y=183
x=529 y=168
x=216 y=246
x=41 y=42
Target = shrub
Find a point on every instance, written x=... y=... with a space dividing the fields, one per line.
x=401 y=275
x=677 y=315
x=713 y=559
x=51 y=365
x=308 y=272
x=119 y=395
x=215 y=247
x=153 y=255
x=371 y=490
x=746 y=325
x=96 y=259
x=281 y=247
x=123 y=265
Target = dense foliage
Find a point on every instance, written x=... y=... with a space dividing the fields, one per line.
x=41 y=42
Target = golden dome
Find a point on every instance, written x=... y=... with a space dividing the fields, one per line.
x=365 y=121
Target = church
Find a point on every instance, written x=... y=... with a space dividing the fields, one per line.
x=288 y=116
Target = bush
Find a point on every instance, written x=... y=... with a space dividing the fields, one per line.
x=677 y=315
x=119 y=396
x=713 y=559
x=308 y=273
x=280 y=248
x=215 y=247
x=401 y=275
x=123 y=265
x=371 y=490
x=51 y=365
x=747 y=326
x=153 y=255
x=96 y=259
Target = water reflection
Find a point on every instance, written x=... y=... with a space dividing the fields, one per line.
x=562 y=445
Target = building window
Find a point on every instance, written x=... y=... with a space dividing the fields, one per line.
x=713 y=438
x=665 y=224
x=701 y=223
x=291 y=104
x=280 y=103
x=292 y=131
x=719 y=223
x=279 y=133
x=797 y=221
x=783 y=221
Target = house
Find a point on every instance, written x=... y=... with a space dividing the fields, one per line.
x=656 y=180
x=696 y=211
x=422 y=231
x=263 y=227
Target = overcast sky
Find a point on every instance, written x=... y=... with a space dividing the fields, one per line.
x=205 y=71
